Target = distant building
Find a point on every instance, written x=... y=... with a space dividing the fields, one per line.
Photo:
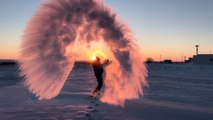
x=205 y=59
x=189 y=60
x=167 y=61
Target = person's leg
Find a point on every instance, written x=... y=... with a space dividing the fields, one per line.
x=100 y=83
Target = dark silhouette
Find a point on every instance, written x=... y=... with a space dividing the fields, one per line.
x=98 y=70
x=168 y=61
x=149 y=60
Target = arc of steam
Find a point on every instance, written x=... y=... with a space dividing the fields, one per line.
x=61 y=24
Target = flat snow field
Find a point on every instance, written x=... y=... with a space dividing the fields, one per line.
x=175 y=92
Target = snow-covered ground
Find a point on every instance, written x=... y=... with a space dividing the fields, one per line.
x=175 y=92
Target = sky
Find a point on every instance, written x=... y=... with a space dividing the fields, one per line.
x=165 y=29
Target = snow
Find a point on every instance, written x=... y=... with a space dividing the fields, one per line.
x=175 y=92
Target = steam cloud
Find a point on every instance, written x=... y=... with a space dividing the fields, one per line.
x=60 y=29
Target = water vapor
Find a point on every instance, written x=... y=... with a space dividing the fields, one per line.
x=61 y=30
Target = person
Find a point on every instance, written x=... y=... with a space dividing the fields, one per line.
x=98 y=71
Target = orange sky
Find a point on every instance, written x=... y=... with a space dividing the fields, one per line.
x=11 y=51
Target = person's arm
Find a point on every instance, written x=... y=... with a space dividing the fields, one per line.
x=106 y=61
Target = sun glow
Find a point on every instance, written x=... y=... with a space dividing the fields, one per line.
x=99 y=54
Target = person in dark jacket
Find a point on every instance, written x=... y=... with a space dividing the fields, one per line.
x=98 y=70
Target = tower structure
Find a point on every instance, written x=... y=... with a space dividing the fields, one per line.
x=197 y=46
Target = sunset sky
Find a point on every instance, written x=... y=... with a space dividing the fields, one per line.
x=166 y=28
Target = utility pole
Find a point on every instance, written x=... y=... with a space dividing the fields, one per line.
x=197 y=46
x=182 y=57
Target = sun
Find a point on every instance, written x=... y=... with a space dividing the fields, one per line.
x=99 y=54
x=93 y=58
